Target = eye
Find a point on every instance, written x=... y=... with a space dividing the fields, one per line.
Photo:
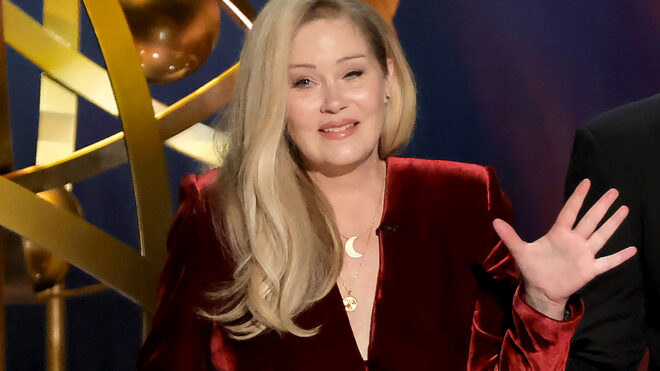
x=303 y=83
x=354 y=74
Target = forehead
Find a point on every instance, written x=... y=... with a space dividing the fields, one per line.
x=327 y=39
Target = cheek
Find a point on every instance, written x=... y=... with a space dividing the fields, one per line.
x=300 y=116
x=370 y=98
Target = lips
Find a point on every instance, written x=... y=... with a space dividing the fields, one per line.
x=337 y=130
x=336 y=127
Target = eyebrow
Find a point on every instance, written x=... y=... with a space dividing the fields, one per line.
x=340 y=60
x=344 y=59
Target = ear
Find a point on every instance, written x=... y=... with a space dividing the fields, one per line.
x=389 y=76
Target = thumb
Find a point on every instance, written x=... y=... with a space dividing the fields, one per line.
x=508 y=235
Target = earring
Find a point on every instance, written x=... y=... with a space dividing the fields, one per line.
x=387 y=99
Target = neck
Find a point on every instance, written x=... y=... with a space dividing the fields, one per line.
x=354 y=196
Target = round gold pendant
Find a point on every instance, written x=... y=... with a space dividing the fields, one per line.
x=350 y=303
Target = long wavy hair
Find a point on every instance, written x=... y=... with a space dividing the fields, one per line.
x=279 y=229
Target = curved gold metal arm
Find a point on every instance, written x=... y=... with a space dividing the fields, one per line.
x=198 y=105
x=81 y=164
x=69 y=293
x=79 y=242
x=145 y=151
x=240 y=11
x=54 y=56
x=111 y=151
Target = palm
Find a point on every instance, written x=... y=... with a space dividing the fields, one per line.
x=558 y=257
x=558 y=264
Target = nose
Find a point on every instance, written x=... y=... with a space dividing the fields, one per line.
x=333 y=100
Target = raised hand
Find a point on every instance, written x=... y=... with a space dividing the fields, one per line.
x=558 y=264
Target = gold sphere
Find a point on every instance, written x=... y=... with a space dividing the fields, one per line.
x=386 y=8
x=45 y=268
x=173 y=37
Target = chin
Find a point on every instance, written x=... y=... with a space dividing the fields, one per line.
x=342 y=163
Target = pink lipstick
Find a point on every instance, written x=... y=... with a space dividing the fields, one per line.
x=339 y=129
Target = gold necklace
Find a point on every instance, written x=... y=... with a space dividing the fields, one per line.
x=350 y=302
x=349 y=245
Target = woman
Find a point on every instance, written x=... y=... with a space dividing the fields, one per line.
x=314 y=249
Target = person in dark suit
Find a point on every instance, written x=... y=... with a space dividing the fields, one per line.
x=621 y=149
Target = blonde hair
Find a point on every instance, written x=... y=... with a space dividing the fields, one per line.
x=280 y=230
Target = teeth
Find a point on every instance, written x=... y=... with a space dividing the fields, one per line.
x=338 y=129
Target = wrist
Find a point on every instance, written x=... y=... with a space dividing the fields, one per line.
x=555 y=309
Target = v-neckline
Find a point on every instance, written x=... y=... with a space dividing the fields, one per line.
x=381 y=264
x=346 y=320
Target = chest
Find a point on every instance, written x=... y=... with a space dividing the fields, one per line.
x=357 y=285
x=423 y=297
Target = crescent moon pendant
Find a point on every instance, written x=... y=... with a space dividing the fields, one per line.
x=350 y=249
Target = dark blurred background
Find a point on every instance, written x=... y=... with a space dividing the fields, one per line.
x=504 y=83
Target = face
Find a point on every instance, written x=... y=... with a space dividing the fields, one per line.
x=337 y=95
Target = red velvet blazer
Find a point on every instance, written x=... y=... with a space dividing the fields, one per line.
x=446 y=296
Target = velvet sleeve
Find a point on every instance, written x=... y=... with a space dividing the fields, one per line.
x=180 y=339
x=508 y=334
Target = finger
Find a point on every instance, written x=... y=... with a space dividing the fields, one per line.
x=600 y=237
x=508 y=235
x=606 y=263
x=590 y=220
x=569 y=212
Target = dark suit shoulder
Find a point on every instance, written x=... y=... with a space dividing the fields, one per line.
x=630 y=122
